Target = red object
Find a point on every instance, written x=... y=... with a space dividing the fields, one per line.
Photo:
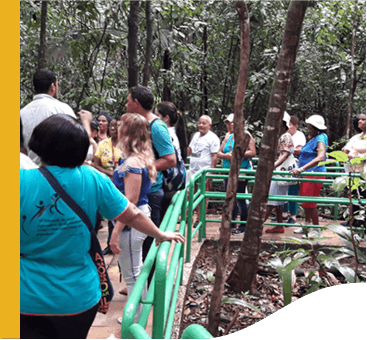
x=310 y=189
x=274 y=231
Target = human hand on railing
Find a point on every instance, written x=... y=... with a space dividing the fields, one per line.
x=296 y=172
x=169 y=236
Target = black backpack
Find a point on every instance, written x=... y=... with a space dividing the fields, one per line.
x=173 y=178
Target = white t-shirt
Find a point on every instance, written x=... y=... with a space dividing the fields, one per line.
x=26 y=162
x=174 y=139
x=42 y=107
x=356 y=145
x=202 y=149
x=299 y=139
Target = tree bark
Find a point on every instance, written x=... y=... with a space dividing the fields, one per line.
x=349 y=131
x=42 y=47
x=241 y=144
x=133 y=71
x=243 y=276
x=149 y=40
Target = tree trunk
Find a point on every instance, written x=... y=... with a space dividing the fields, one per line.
x=42 y=47
x=349 y=130
x=205 y=71
x=133 y=44
x=148 y=47
x=241 y=144
x=243 y=276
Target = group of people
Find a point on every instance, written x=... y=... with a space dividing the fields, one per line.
x=113 y=166
x=123 y=183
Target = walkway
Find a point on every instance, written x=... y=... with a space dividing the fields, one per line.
x=104 y=325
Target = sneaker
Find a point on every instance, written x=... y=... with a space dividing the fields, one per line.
x=312 y=235
x=291 y=220
x=299 y=231
x=238 y=231
x=119 y=320
x=275 y=219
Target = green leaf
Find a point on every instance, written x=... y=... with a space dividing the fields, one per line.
x=242 y=303
x=340 y=156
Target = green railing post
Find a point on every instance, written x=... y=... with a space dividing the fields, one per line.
x=202 y=204
x=196 y=332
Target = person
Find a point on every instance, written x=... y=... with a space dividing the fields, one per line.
x=299 y=140
x=356 y=148
x=133 y=177
x=203 y=149
x=285 y=150
x=93 y=142
x=25 y=161
x=309 y=157
x=225 y=153
x=105 y=160
x=140 y=100
x=175 y=122
x=43 y=105
x=104 y=121
x=59 y=282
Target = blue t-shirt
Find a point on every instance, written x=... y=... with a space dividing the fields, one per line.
x=120 y=173
x=163 y=144
x=309 y=152
x=57 y=274
x=245 y=164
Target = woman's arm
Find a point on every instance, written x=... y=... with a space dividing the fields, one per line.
x=97 y=163
x=221 y=154
x=283 y=156
x=321 y=151
x=135 y=218
x=251 y=149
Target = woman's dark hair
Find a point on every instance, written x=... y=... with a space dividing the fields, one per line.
x=178 y=121
x=60 y=140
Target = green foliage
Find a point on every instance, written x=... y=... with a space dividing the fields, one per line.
x=87 y=48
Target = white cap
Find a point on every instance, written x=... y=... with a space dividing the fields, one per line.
x=286 y=118
x=229 y=118
x=317 y=121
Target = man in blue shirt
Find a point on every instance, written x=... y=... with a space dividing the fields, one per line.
x=140 y=100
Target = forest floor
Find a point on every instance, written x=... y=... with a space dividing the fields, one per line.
x=267 y=300
x=269 y=297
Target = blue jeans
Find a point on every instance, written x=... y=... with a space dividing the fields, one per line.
x=130 y=257
x=241 y=189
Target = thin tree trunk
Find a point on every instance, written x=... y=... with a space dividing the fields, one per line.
x=133 y=44
x=241 y=144
x=205 y=74
x=243 y=276
x=352 y=78
x=42 y=47
x=149 y=40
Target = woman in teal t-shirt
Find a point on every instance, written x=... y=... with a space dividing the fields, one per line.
x=225 y=153
x=59 y=283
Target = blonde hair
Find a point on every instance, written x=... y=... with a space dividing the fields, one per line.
x=134 y=138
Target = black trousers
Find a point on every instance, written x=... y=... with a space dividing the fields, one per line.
x=57 y=327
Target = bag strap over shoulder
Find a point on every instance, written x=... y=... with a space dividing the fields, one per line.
x=66 y=197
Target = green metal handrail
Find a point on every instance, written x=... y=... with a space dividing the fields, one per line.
x=163 y=291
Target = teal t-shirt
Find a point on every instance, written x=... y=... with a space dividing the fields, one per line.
x=163 y=144
x=245 y=164
x=57 y=274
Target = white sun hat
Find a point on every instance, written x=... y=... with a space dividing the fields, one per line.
x=229 y=118
x=317 y=121
x=286 y=118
